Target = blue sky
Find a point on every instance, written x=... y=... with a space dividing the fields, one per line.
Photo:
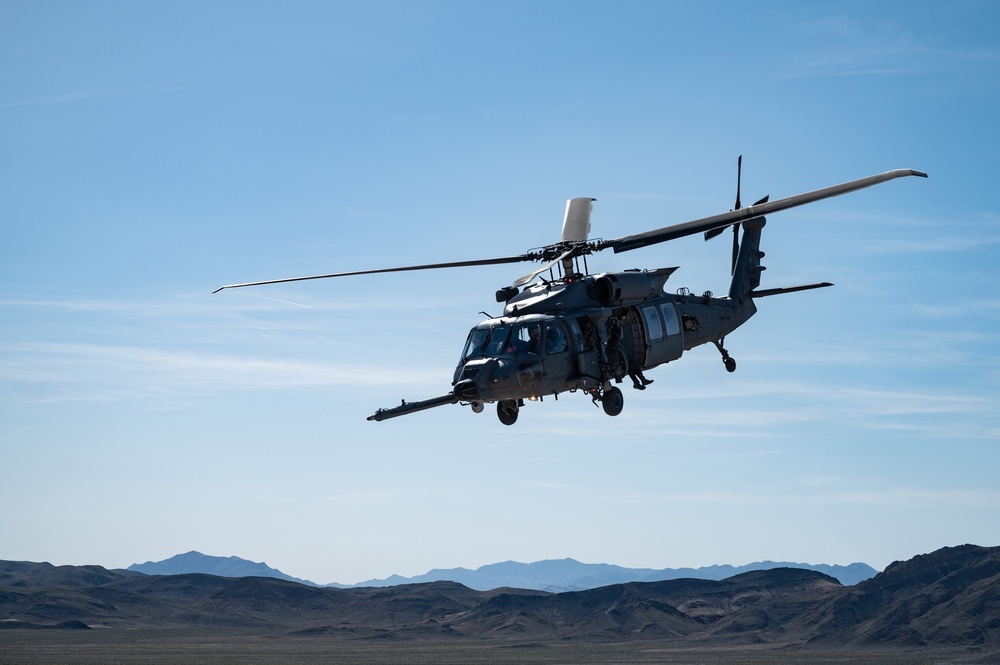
x=154 y=151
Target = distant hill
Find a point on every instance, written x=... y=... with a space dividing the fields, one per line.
x=554 y=575
x=20 y=574
x=223 y=566
x=557 y=575
x=948 y=599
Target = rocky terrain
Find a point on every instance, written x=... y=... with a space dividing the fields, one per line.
x=948 y=599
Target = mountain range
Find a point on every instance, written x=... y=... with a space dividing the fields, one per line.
x=948 y=599
x=223 y=566
x=554 y=575
x=558 y=575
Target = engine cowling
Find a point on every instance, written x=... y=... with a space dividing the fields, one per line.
x=615 y=287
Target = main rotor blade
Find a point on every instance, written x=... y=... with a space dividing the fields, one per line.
x=639 y=240
x=429 y=266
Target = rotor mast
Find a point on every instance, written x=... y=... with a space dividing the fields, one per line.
x=576 y=227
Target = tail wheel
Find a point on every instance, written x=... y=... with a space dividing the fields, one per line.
x=727 y=360
x=613 y=401
x=507 y=411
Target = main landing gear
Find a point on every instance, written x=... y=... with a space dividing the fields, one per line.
x=727 y=360
x=507 y=411
x=612 y=400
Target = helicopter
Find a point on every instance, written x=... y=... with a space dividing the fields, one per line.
x=580 y=332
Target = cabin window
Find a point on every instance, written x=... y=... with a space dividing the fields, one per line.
x=653 y=325
x=670 y=318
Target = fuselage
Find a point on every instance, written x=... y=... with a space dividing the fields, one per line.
x=565 y=335
x=554 y=336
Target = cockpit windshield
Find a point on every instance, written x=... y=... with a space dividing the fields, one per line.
x=485 y=342
x=501 y=340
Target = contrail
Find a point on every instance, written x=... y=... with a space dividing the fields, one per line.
x=287 y=302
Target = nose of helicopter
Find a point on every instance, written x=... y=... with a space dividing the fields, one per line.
x=466 y=390
x=486 y=381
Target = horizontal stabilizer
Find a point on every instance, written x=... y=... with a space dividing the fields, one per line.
x=787 y=289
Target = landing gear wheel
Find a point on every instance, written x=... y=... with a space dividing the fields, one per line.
x=728 y=361
x=613 y=401
x=507 y=411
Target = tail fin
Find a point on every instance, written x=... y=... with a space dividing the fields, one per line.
x=746 y=275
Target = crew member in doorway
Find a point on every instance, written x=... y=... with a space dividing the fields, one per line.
x=639 y=382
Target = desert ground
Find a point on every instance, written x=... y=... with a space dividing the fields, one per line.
x=214 y=647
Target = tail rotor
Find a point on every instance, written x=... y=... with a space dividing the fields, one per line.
x=736 y=227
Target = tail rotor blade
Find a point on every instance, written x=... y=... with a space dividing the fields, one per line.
x=739 y=176
x=714 y=232
x=736 y=226
x=711 y=233
x=736 y=247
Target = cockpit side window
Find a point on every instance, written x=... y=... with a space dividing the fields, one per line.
x=555 y=338
x=525 y=338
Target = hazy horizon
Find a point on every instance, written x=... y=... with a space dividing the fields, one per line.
x=134 y=565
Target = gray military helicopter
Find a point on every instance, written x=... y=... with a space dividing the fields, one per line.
x=577 y=332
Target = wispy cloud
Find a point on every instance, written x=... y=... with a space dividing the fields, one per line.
x=94 y=93
x=889 y=233
x=287 y=302
x=849 y=46
x=94 y=372
x=910 y=498
x=958 y=308
x=769 y=411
